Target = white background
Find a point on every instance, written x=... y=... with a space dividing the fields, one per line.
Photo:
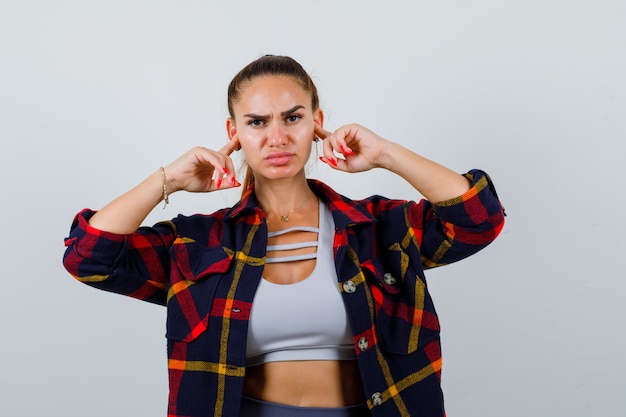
x=95 y=95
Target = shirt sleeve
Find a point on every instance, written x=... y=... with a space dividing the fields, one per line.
x=136 y=265
x=457 y=228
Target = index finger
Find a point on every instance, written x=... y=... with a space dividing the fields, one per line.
x=229 y=147
x=321 y=132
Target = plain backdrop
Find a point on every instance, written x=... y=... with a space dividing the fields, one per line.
x=96 y=95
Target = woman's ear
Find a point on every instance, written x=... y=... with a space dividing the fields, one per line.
x=318 y=117
x=231 y=128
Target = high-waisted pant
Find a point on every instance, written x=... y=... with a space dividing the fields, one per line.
x=251 y=407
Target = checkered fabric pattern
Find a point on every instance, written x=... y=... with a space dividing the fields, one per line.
x=206 y=268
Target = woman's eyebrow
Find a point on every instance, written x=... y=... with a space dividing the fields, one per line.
x=265 y=117
x=291 y=110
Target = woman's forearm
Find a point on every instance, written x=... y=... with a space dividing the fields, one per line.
x=434 y=181
x=126 y=213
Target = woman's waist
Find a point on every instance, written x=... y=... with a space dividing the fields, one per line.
x=319 y=383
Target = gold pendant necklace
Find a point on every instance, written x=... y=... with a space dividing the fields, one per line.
x=285 y=217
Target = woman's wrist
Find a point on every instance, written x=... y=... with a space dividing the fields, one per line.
x=389 y=156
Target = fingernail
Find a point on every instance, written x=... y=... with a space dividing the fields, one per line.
x=225 y=170
x=322 y=159
x=219 y=182
x=233 y=181
x=346 y=151
x=333 y=161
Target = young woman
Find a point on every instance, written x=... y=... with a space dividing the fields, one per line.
x=296 y=301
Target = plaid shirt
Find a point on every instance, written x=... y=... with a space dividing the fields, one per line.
x=206 y=269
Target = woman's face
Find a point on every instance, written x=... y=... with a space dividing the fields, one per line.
x=274 y=124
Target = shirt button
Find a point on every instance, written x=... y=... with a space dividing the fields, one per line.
x=377 y=398
x=389 y=278
x=349 y=287
x=363 y=344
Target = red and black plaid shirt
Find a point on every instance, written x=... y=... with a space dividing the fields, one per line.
x=206 y=269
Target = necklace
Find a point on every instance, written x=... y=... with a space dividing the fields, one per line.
x=285 y=217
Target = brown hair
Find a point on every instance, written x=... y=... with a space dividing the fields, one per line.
x=269 y=65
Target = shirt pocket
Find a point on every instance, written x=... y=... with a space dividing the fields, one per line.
x=405 y=316
x=196 y=273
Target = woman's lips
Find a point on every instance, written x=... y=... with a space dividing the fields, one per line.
x=279 y=158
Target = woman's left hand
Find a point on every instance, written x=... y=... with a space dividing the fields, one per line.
x=361 y=148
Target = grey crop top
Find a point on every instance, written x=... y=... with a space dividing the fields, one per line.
x=305 y=320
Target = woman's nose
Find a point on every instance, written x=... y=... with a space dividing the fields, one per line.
x=276 y=135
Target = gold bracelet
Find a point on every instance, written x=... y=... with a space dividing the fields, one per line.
x=165 y=196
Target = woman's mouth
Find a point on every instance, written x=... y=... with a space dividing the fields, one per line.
x=279 y=158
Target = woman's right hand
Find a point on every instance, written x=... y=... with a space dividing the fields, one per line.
x=198 y=170
x=203 y=170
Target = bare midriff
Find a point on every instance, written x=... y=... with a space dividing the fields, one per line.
x=306 y=383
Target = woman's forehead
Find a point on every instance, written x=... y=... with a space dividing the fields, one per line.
x=271 y=91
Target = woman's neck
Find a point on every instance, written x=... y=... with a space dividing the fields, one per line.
x=285 y=199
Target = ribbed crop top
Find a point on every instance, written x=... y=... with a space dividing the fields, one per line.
x=305 y=320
